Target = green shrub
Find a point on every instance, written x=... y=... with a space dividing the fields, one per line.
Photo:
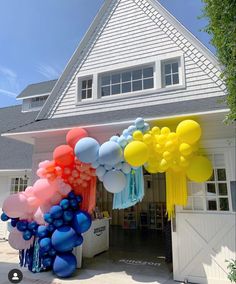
x=232 y=270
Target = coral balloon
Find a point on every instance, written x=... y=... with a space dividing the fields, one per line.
x=189 y=131
x=15 y=205
x=200 y=169
x=63 y=155
x=74 y=135
x=136 y=153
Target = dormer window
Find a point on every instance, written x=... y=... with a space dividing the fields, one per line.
x=38 y=102
x=86 y=91
x=127 y=81
x=170 y=73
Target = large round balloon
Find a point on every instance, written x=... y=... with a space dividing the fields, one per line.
x=114 y=181
x=44 y=190
x=189 y=131
x=136 y=153
x=17 y=242
x=15 y=205
x=86 y=150
x=64 y=265
x=63 y=155
x=81 y=222
x=64 y=239
x=200 y=169
x=110 y=153
x=74 y=135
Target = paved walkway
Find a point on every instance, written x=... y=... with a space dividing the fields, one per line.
x=103 y=270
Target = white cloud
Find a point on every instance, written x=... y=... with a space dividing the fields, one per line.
x=9 y=85
x=48 y=71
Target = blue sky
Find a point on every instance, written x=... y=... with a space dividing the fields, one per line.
x=37 y=38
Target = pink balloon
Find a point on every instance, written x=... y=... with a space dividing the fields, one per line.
x=64 y=190
x=28 y=191
x=41 y=172
x=44 y=189
x=43 y=164
x=15 y=205
x=56 y=198
x=34 y=202
x=38 y=216
x=17 y=242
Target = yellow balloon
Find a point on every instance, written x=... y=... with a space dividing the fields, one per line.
x=155 y=130
x=173 y=137
x=161 y=139
x=183 y=162
x=151 y=168
x=167 y=156
x=136 y=153
x=170 y=146
x=165 y=131
x=164 y=165
x=138 y=135
x=189 y=131
x=200 y=169
x=147 y=138
x=159 y=148
x=185 y=149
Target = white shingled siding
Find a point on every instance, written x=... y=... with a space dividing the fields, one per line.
x=138 y=33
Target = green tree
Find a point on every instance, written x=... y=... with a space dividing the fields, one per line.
x=222 y=28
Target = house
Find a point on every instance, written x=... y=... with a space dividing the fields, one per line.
x=137 y=60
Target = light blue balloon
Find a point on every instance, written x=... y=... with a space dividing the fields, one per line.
x=101 y=178
x=86 y=150
x=139 y=122
x=131 y=129
x=129 y=138
x=126 y=168
x=122 y=141
x=110 y=153
x=118 y=166
x=108 y=167
x=114 y=138
x=114 y=181
x=125 y=132
x=146 y=127
x=95 y=164
x=100 y=171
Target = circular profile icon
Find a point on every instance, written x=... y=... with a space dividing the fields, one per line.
x=15 y=276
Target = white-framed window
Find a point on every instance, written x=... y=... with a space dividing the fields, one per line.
x=171 y=72
x=18 y=184
x=127 y=81
x=38 y=102
x=213 y=195
x=85 y=88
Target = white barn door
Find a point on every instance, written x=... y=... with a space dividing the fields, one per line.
x=204 y=231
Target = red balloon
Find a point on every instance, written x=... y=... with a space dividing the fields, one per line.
x=74 y=135
x=63 y=155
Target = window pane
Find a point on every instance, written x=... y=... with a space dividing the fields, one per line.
x=137 y=74
x=84 y=95
x=84 y=84
x=211 y=204
x=198 y=203
x=89 y=93
x=148 y=83
x=137 y=85
x=115 y=89
x=224 y=204
x=222 y=188
x=175 y=67
x=148 y=72
x=126 y=76
x=115 y=78
x=126 y=87
x=168 y=80
x=167 y=69
x=90 y=83
x=211 y=189
x=221 y=174
x=212 y=178
x=106 y=80
x=105 y=91
x=175 y=79
x=189 y=204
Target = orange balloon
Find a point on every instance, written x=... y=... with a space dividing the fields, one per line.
x=74 y=135
x=63 y=155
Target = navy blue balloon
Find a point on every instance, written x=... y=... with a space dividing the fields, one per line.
x=64 y=265
x=32 y=225
x=50 y=228
x=14 y=222
x=74 y=204
x=71 y=195
x=63 y=239
x=52 y=252
x=68 y=215
x=4 y=217
x=27 y=235
x=48 y=218
x=47 y=262
x=81 y=222
x=45 y=244
x=79 y=240
x=79 y=198
x=58 y=223
x=64 y=204
x=22 y=226
x=42 y=231
x=56 y=211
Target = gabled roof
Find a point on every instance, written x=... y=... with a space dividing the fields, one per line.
x=38 y=89
x=92 y=34
x=13 y=154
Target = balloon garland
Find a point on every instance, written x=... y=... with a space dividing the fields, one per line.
x=49 y=218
